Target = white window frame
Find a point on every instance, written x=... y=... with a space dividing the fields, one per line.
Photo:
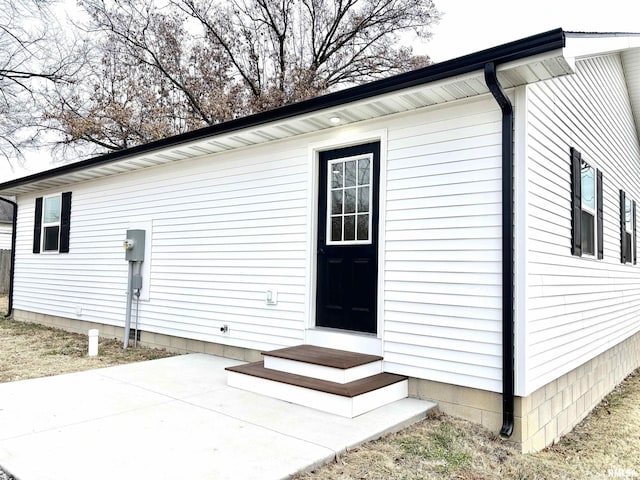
x=369 y=240
x=590 y=211
x=50 y=224
x=629 y=223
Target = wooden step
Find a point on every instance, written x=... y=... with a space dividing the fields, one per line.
x=327 y=357
x=351 y=389
x=348 y=400
x=329 y=364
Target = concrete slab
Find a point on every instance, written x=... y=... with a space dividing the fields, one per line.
x=171 y=418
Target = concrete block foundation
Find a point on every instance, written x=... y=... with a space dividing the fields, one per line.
x=548 y=413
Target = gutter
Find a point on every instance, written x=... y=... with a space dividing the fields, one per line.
x=508 y=315
x=13 y=255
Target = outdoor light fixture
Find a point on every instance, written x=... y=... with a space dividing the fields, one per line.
x=335 y=120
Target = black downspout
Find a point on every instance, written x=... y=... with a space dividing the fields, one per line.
x=491 y=78
x=13 y=255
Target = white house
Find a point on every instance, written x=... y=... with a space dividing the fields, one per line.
x=477 y=230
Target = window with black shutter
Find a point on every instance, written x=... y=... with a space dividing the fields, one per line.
x=52 y=224
x=586 y=208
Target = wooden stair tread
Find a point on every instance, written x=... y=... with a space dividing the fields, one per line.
x=350 y=390
x=327 y=357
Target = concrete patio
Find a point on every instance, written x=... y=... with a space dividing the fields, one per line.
x=172 y=418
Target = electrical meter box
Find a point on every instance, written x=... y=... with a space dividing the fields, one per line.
x=134 y=245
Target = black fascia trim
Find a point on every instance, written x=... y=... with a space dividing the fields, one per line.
x=516 y=50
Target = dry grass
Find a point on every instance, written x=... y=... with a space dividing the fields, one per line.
x=605 y=445
x=29 y=351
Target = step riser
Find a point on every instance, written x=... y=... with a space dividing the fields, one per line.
x=327 y=402
x=345 y=341
x=321 y=372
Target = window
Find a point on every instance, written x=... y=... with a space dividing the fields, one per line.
x=627 y=229
x=52 y=223
x=587 y=208
x=349 y=200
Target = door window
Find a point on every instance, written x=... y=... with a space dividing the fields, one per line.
x=349 y=200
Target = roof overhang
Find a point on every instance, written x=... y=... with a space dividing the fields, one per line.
x=581 y=45
x=631 y=64
x=585 y=44
x=525 y=61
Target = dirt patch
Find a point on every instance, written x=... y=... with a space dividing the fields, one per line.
x=29 y=350
x=605 y=445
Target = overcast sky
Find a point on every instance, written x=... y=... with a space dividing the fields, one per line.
x=471 y=25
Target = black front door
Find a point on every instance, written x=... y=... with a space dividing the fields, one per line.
x=348 y=238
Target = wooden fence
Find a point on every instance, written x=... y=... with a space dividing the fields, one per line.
x=5 y=269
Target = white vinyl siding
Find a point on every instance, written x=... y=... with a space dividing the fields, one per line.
x=578 y=307
x=224 y=231
x=443 y=240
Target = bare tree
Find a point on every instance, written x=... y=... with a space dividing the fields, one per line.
x=124 y=100
x=288 y=50
x=170 y=68
x=149 y=79
x=32 y=54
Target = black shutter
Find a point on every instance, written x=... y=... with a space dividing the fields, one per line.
x=633 y=219
x=37 y=225
x=600 y=215
x=623 y=237
x=65 y=222
x=576 y=203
